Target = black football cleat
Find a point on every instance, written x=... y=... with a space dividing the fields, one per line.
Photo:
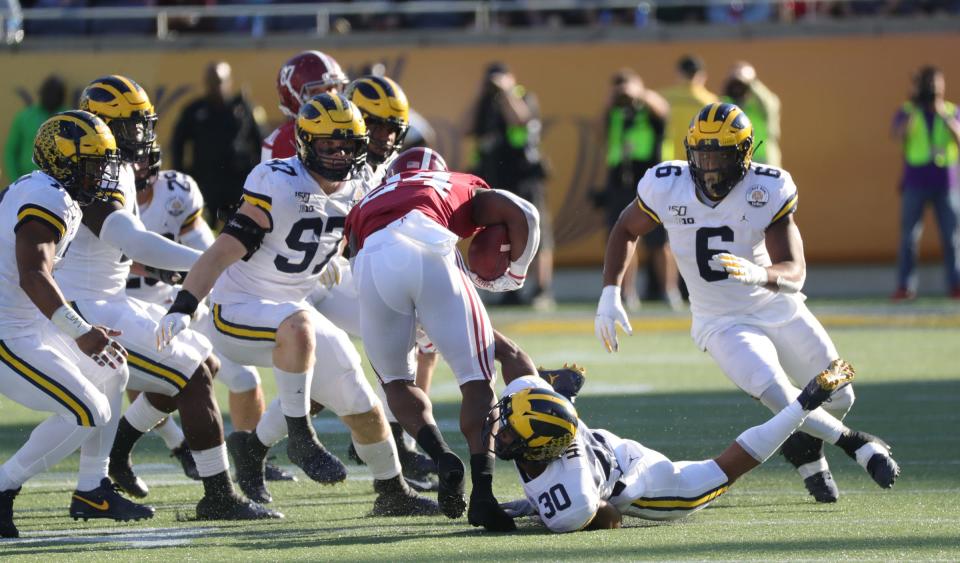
x=822 y=487
x=873 y=454
x=273 y=472
x=233 y=507
x=183 y=455
x=486 y=511
x=121 y=471
x=450 y=491
x=106 y=502
x=801 y=449
x=567 y=380
x=316 y=461
x=7 y=528
x=837 y=376
x=395 y=498
x=249 y=460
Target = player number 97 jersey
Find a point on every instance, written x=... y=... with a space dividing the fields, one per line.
x=306 y=227
x=737 y=225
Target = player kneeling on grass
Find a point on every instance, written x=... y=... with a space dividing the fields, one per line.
x=578 y=478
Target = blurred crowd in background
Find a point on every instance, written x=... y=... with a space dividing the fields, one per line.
x=646 y=12
x=217 y=139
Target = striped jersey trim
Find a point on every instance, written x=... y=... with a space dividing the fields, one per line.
x=34 y=211
x=646 y=209
x=789 y=207
x=680 y=503
x=47 y=384
x=243 y=332
x=156 y=369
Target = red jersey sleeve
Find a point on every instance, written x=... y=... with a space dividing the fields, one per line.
x=461 y=204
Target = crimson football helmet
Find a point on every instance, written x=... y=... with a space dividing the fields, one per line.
x=417 y=158
x=306 y=75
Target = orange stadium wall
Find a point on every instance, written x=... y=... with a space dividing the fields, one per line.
x=838 y=97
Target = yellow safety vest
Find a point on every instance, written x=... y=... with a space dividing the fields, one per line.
x=920 y=147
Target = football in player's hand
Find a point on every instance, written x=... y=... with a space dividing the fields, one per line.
x=489 y=253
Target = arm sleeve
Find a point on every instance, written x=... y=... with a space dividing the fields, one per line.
x=123 y=230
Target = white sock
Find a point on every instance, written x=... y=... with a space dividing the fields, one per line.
x=764 y=440
x=171 y=433
x=294 y=392
x=50 y=442
x=867 y=451
x=142 y=415
x=272 y=426
x=380 y=457
x=95 y=450
x=814 y=467
x=211 y=462
x=823 y=425
x=92 y=471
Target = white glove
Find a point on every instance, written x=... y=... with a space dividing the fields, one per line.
x=511 y=280
x=171 y=325
x=742 y=270
x=610 y=313
x=518 y=508
x=331 y=273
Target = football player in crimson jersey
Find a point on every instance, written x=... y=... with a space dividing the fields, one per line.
x=406 y=231
x=739 y=249
x=302 y=77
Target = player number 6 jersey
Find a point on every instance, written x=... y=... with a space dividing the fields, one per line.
x=736 y=225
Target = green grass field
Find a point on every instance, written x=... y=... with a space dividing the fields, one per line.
x=659 y=390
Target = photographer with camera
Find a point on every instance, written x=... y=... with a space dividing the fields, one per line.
x=928 y=127
x=762 y=106
x=634 y=127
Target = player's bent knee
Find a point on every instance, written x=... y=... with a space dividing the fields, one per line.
x=296 y=332
x=840 y=403
x=239 y=379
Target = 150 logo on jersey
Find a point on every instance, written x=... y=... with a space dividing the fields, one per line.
x=680 y=212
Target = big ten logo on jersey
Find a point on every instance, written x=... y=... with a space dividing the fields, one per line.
x=308 y=202
x=680 y=212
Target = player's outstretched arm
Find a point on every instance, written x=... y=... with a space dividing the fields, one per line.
x=632 y=224
x=241 y=236
x=35 y=249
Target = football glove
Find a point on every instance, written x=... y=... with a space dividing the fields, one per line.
x=168 y=277
x=331 y=274
x=742 y=270
x=567 y=380
x=610 y=313
x=171 y=325
x=509 y=281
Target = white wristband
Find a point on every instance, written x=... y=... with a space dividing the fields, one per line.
x=68 y=321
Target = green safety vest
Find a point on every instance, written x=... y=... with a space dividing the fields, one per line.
x=921 y=148
x=639 y=138
x=758 y=118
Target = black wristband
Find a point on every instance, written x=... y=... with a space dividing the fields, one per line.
x=184 y=303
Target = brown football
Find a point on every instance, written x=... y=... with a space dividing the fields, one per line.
x=489 y=253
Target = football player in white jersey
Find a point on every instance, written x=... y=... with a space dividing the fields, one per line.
x=739 y=250
x=577 y=478
x=171 y=204
x=66 y=367
x=261 y=269
x=93 y=277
